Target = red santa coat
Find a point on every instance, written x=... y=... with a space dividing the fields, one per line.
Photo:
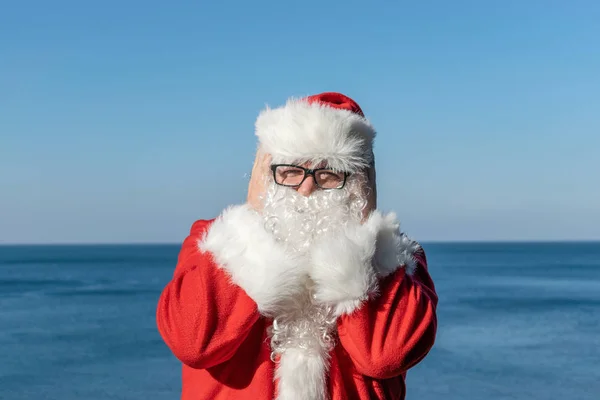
x=230 y=277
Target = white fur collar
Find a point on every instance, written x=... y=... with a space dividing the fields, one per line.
x=343 y=271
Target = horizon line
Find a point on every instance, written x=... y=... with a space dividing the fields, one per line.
x=424 y=242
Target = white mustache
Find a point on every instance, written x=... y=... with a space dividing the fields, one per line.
x=297 y=221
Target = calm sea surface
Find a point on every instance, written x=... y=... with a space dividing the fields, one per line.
x=517 y=321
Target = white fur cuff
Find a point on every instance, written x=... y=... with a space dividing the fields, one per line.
x=240 y=244
x=342 y=270
x=346 y=267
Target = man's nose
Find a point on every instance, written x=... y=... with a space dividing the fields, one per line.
x=307 y=187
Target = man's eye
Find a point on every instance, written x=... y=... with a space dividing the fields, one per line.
x=292 y=172
x=329 y=175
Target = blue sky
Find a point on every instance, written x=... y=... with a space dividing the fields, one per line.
x=125 y=121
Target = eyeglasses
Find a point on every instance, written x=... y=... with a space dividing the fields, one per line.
x=294 y=175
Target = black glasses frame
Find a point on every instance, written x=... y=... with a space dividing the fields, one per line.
x=307 y=172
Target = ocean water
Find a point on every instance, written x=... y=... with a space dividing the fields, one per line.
x=516 y=321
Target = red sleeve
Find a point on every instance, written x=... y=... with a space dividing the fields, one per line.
x=395 y=331
x=201 y=315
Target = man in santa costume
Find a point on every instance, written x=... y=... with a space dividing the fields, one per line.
x=307 y=291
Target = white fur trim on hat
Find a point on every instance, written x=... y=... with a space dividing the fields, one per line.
x=314 y=132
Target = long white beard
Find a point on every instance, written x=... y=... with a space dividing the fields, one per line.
x=303 y=334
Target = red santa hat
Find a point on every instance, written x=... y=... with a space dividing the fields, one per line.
x=327 y=127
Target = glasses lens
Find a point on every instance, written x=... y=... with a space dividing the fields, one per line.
x=288 y=176
x=329 y=179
